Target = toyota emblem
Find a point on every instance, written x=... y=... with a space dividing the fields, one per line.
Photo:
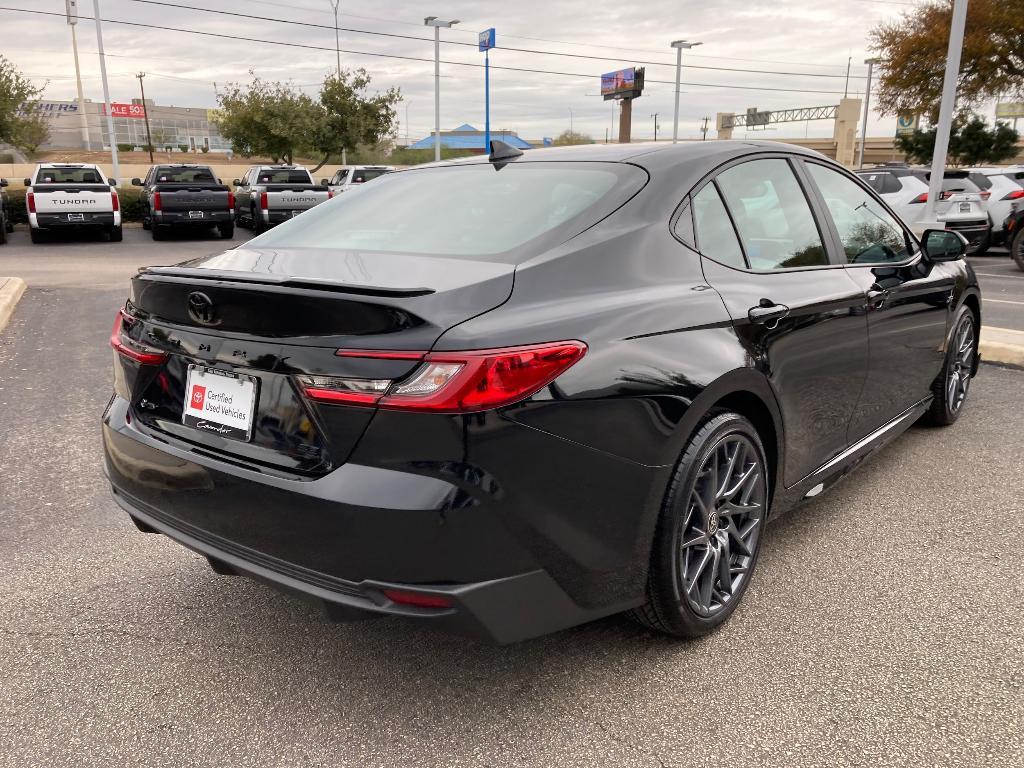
x=201 y=309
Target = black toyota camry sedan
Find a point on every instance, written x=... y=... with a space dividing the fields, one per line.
x=512 y=394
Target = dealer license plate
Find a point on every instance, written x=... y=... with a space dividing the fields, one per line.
x=195 y=214
x=965 y=207
x=76 y=217
x=295 y=213
x=220 y=402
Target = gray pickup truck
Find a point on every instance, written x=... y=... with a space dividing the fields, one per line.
x=185 y=196
x=270 y=194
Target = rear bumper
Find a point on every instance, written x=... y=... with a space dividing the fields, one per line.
x=277 y=216
x=977 y=234
x=512 y=567
x=61 y=220
x=183 y=219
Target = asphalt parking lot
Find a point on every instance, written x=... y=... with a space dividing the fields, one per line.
x=1002 y=285
x=883 y=628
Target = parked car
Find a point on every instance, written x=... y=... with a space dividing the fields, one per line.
x=347 y=177
x=62 y=196
x=511 y=394
x=1000 y=187
x=1013 y=225
x=6 y=219
x=270 y=194
x=904 y=190
x=183 y=196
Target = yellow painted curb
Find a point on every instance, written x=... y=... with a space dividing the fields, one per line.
x=11 y=289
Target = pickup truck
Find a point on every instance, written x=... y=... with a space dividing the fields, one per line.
x=62 y=196
x=185 y=196
x=270 y=194
x=351 y=176
x=6 y=221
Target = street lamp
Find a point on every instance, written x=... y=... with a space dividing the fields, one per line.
x=436 y=23
x=679 y=45
x=867 y=106
x=335 y=4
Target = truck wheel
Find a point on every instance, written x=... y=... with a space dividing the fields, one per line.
x=146 y=224
x=3 y=233
x=116 y=234
x=9 y=225
x=1017 y=249
x=37 y=235
x=257 y=221
x=227 y=231
x=158 y=232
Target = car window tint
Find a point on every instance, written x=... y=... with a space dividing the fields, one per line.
x=869 y=234
x=772 y=214
x=875 y=180
x=890 y=184
x=716 y=238
x=981 y=181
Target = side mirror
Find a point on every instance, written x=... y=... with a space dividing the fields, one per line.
x=237 y=183
x=112 y=182
x=324 y=183
x=219 y=181
x=944 y=245
x=136 y=182
x=28 y=182
x=3 y=182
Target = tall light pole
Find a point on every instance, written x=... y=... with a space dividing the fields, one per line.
x=956 y=44
x=71 y=7
x=436 y=23
x=335 y=5
x=570 y=124
x=106 y=91
x=679 y=45
x=486 y=42
x=867 y=107
x=655 y=116
x=145 y=114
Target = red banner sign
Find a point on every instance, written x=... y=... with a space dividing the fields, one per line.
x=126 y=110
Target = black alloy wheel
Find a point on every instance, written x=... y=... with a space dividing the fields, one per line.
x=709 y=534
x=951 y=387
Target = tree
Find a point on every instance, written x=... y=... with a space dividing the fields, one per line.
x=971 y=142
x=568 y=138
x=21 y=121
x=264 y=118
x=350 y=117
x=913 y=53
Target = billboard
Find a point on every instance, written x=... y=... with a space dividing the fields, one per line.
x=907 y=123
x=1010 y=110
x=125 y=110
x=622 y=84
x=485 y=40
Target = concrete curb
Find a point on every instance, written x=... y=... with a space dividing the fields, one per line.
x=11 y=289
x=1002 y=345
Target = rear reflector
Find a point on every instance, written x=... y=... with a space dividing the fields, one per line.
x=128 y=348
x=418 y=599
x=452 y=382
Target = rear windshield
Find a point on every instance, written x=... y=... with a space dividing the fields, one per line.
x=68 y=176
x=366 y=174
x=284 y=177
x=959 y=185
x=184 y=175
x=462 y=210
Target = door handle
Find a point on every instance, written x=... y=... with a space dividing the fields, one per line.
x=877 y=298
x=767 y=313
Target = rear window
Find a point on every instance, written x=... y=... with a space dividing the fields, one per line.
x=463 y=210
x=959 y=185
x=367 y=174
x=283 y=176
x=1015 y=176
x=184 y=175
x=68 y=176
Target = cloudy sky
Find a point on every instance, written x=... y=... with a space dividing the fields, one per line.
x=772 y=54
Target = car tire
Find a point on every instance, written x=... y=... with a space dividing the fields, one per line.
x=227 y=231
x=3 y=233
x=116 y=234
x=703 y=519
x=146 y=222
x=37 y=235
x=950 y=387
x=1017 y=249
x=158 y=232
x=257 y=221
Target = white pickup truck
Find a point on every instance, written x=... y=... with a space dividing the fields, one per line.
x=71 y=196
x=350 y=176
x=270 y=194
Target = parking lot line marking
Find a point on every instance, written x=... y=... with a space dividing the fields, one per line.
x=1002 y=301
x=990 y=274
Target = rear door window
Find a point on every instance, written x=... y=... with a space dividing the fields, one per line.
x=716 y=237
x=772 y=215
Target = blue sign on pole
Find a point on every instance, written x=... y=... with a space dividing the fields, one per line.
x=486 y=41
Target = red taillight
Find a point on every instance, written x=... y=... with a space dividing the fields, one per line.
x=945 y=195
x=329 y=194
x=157 y=203
x=1017 y=194
x=922 y=198
x=985 y=194
x=263 y=200
x=453 y=382
x=31 y=198
x=114 y=202
x=417 y=599
x=231 y=200
x=129 y=349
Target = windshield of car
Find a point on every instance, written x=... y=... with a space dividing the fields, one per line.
x=184 y=175
x=283 y=176
x=476 y=209
x=68 y=176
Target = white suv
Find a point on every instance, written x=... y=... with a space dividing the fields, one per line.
x=349 y=176
x=1000 y=187
x=903 y=190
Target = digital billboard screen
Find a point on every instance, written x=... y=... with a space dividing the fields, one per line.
x=620 y=82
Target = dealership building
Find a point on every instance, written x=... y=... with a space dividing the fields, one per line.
x=170 y=126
